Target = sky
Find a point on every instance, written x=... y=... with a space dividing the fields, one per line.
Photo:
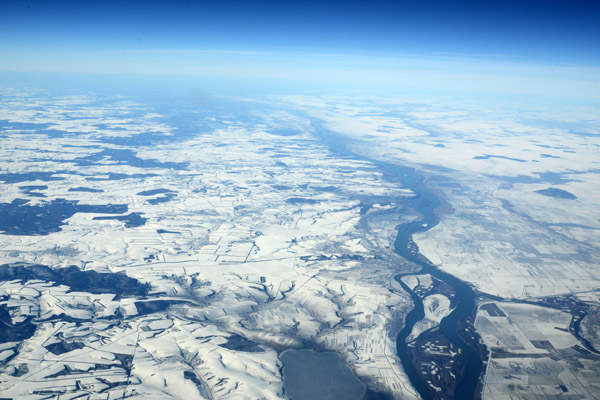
x=499 y=45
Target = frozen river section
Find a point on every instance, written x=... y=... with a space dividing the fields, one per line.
x=309 y=375
x=425 y=203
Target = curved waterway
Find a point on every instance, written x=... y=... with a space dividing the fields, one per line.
x=425 y=203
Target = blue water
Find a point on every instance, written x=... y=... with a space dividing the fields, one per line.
x=425 y=203
x=309 y=375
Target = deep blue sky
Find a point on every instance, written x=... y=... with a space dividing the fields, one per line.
x=296 y=37
x=534 y=30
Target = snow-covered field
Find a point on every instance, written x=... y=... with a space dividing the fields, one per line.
x=254 y=237
x=249 y=232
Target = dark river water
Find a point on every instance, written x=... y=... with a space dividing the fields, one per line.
x=425 y=203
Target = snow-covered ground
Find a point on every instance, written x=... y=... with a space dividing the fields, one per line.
x=252 y=232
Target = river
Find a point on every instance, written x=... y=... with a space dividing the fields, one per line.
x=425 y=203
